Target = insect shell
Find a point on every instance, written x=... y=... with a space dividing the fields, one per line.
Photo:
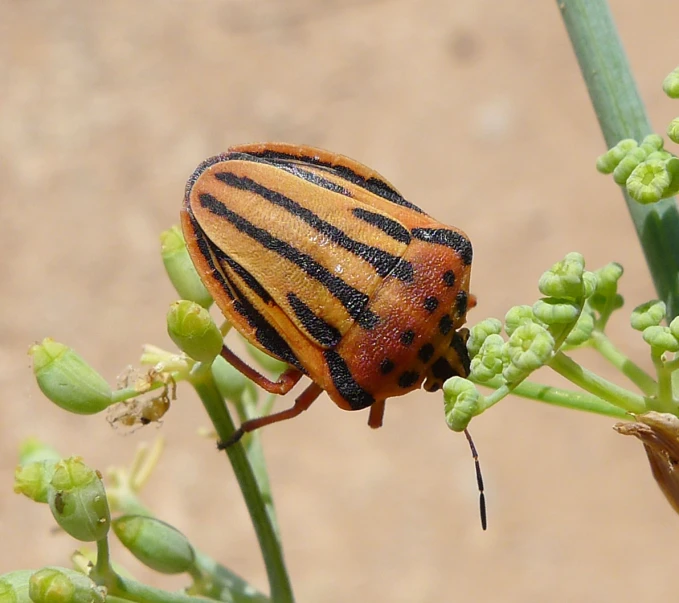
x=320 y=262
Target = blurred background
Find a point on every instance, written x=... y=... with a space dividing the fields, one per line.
x=476 y=111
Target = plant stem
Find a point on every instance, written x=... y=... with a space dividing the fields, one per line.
x=632 y=371
x=592 y=383
x=260 y=512
x=621 y=114
x=565 y=398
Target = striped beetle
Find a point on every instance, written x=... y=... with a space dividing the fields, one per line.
x=320 y=262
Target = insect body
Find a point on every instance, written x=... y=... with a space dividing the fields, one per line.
x=320 y=262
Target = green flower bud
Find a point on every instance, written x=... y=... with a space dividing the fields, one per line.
x=627 y=165
x=652 y=143
x=461 y=402
x=646 y=315
x=671 y=84
x=674 y=327
x=565 y=278
x=63 y=585
x=32 y=450
x=582 y=330
x=607 y=162
x=231 y=383
x=14 y=587
x=67 y=380
x=479 y=332
x=32 y=480
x=180 y=268
x=529 y=348
x=77 y=499
x=155 y=543
x=673 y=130
x=517 y=316
x=649 y=182
x=607 y=278
x=554 y=311
x=489 y=361
x=661 y=339
x=191 y=327
x=589 y=283
x=268 y=363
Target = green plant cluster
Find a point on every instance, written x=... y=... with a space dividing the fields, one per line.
x=573 y=313
x=648 y=172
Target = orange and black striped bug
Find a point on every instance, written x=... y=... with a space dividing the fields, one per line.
x=320 y=262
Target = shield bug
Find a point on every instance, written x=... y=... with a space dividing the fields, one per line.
x=320 y=262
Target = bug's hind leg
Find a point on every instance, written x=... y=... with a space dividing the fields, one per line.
x=303 y=401
x=284 y=384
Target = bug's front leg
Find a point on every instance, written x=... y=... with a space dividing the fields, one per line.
x=303 y=401
x=283 y=385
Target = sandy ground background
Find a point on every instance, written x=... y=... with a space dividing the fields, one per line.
x=477 y=112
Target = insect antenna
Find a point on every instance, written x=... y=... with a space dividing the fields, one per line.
x=479 y=480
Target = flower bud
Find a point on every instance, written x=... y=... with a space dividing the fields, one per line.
x=67 y=380
x=517 y=316
x=461 y=402
x=479 y=332
x=582 y=330
x=660 y=339
x=63 y=585
x=180 y=268
x=565 y=278
x=155 y=543
x=646 y=315
x=33 y=480
x=673 y=130
x=649 y=182
x=14 y=587
x=626 y=166
x=671 y=84
x=191 y=327
x=607 y=162
x=77 y=499
x=489 y=361
x=529 y=348
x=554 y=311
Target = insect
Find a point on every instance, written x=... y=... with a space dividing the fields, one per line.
x=320 y=262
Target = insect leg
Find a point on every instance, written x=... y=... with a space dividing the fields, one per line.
x=284 y=384
x=302 y=402
x=376 y=414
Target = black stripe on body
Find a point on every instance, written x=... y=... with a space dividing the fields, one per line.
x=460 y=347
x=374 y=185
x=344 y=382
x=441 y=369
x=265 y=334
x=248 y=279
x=352 y=299
x=449 y=238
x=295 y=169
x=382 y=261
x=386 y=225
x=324 y=333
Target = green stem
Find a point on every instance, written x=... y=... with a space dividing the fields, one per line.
x=664 y=401
x=592 y=383
x=602 y=344
x=565 y=398
x=131 y=590
x=260 y=512
x=621 y=114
